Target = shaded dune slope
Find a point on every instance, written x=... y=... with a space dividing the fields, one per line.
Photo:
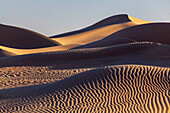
x=69 y=43
x=32 y=69
x=21 y=38
x=77 y=54
x=4 y=53
x=126 y=88
x=152 y=32
x=22 y=41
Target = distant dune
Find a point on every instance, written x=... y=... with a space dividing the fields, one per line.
x=98 y=31
x=117 y=19
x=21 y=38
x=152 y=32
x=119 y=64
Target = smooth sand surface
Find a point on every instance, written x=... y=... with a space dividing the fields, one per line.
x=119 y=64
x=22 y=38
x=152 y=32
x=4 y=53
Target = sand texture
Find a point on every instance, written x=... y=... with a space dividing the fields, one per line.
x=119 y=64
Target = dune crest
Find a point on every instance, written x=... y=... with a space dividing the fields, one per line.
x=27 y=42
x=92 y=35
x=117 y=19
x=99 y=31
x=38 y=50
x=138 y=21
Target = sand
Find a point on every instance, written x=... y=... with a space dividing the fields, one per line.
x=99 y=30
x=22 y=38
x=119 y=64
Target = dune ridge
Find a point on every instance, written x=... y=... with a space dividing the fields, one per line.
x=38 y=50
x=152 y=32
x=102 y=29
x=117 y=19
x=28 y=42
x=77 y=54
x=119 y=64
x=32 y=69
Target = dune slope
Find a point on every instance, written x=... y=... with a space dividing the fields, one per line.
x=25 y=70
x=152 y=32
x=4 y=53
x=23 y=41
x=15 y=37
x=99 y=30
x=117 y=19
x=38 y=50
x=127 y=88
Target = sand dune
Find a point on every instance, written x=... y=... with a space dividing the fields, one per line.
x=152 y=32
x=143 y=49
x=38 y=50
x=119 y=64
x=110 y=89
x=117 y=19
x=79 y=39
x=99 y=30
x=21 y=38
x=33 y=69
x=4 y=53
x=25 y=39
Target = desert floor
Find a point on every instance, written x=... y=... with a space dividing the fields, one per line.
x=119 y=64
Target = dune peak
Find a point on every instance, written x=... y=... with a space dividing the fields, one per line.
x=112 y=20
x=116 y=19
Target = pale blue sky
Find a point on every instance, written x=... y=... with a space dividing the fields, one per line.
x=51 y=17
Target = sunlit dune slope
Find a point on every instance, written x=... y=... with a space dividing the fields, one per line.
x=153 y=32
x=38 y=50
x=99 y=30
x=23 y=41
x=137 y=20
x=21 y=38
